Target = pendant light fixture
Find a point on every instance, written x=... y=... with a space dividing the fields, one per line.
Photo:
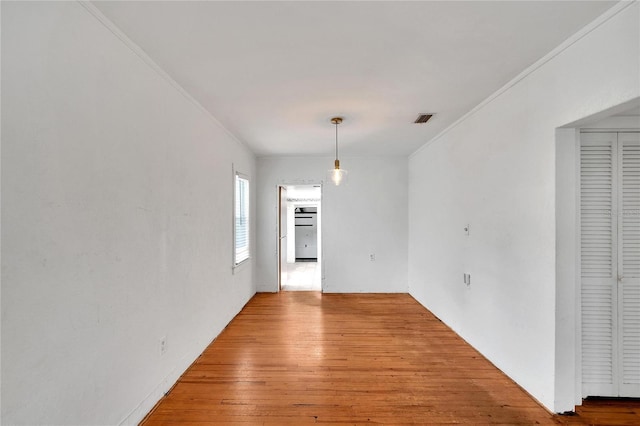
x=337 y=175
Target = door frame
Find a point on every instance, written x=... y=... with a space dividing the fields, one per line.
x=568 y=326
x=279 y=224
x=279 y=235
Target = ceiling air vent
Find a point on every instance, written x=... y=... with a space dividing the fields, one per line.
x=423 y=118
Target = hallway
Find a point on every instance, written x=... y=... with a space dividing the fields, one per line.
x=302 y=276
x=312 y=358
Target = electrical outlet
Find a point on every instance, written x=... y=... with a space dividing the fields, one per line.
x=467 y=279
x=372 y=257
x=163 y=345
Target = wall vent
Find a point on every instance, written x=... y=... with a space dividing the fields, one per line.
x=423 y=118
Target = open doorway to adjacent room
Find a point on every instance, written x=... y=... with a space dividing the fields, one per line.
x=300 y=237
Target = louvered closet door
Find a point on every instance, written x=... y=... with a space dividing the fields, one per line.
x=629 y=262
x=610 y=263
x=598 y=198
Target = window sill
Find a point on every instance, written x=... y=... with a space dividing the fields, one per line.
x=240 y=266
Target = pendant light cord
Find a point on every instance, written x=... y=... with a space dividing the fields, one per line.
x=336 y=140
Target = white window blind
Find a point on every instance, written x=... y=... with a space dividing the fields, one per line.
x=241 y=219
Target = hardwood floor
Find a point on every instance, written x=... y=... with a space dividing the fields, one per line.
x=605 y=411
x=300 y=358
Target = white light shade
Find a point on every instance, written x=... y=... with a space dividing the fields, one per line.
x=337 y=176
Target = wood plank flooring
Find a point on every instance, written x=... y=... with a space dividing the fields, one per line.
x=606 y=411
x=298 y=358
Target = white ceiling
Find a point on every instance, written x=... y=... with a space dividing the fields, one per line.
x=274 y=73
x=633 y=112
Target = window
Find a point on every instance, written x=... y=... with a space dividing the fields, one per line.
x=241 y=219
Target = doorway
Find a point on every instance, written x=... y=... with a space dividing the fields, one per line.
x=300 y=237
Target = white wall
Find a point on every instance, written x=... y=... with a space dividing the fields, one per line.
x=367 y=216
x=290 y=240
x=116 y=222
x=496 y=170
